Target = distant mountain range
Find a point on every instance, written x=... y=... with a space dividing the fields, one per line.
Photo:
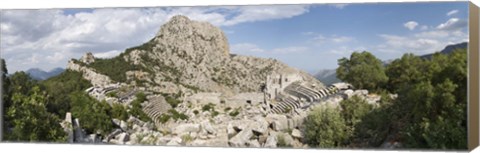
x=329 y=76
x=449 y=49
x=39 y=74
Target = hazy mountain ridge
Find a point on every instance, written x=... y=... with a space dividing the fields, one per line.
x=327 y=76
x=448 y=49
x=39 y=74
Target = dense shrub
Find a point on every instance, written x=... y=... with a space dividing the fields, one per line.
x=136 y=109
x=172 y=101
x=93 y=115
x=119 y=111
x=325 y=128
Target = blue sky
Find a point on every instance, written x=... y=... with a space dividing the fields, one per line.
x=308 y=37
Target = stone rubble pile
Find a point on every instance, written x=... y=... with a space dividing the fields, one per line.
x=250 y=128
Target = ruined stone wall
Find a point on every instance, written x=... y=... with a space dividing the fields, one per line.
x=276 y=83
x=243 y=99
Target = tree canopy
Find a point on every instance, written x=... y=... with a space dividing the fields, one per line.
x=428 y=113
x=363 y=70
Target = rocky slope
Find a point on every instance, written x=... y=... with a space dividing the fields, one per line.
x=220 y=95
x=190 y=56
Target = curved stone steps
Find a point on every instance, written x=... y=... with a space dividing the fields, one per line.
x=305 y=92
x=312 y=95
x=155 y=107
x=297 y=93
x=286 y=103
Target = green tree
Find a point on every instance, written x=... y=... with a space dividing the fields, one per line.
x=5 y=81
x=353 y=110
x=437 y=119
x=325 y=127
x=429 y=112
x=4 y=87
x=94 y=116
x=20 y=82
x=405 y=71
x=29 y=120
x=363 y=70
x=59 y=89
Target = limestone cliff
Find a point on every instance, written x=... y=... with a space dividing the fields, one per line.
x=192 y=56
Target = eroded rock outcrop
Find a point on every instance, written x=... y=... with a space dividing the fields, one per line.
x=89 y=74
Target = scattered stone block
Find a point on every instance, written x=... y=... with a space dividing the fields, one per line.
x=186 y=128
x=123 y=125
x=254 y=144
x=208 y=127
x=271 y=142
x=241 y=138
x=175 y=142
x=278 y=122
x=297 y=134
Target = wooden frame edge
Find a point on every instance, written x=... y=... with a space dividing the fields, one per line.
x=473 y=78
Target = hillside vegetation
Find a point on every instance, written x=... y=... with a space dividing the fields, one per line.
x=429 y=112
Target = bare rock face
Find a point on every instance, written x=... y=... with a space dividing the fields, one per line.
x=199 y=38
x=89 y=74
x=192 y=55
x=88 y=58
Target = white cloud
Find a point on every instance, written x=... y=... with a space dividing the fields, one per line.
x=430 y=39
x=453 y=24
x=47 y=33
x=32 y=59
x=253 y=49
x=420 y=43
x=339 y=6
x=408 y=44
x=245 y=47
x=341 y=39
x=321 y=39
x=308 y=33
x=345 y=50
x=410 y=25
x=257 y=13
x=108 y=54
x=424 y=27
x=289 y=50
x=56 y=57
x=452 y=12
x=432 y=34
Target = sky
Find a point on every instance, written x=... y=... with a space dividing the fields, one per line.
x=307 y=37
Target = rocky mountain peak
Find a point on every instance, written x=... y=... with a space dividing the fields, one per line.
x=186 y=56
x=192 y=37
x=87 y=58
